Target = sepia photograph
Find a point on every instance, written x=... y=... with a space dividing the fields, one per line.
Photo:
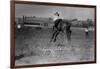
x=51 y=34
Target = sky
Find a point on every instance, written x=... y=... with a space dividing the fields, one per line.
x=48 y=11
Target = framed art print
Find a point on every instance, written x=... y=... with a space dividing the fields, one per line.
x=50 y=34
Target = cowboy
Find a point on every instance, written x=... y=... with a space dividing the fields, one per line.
x=57 y=21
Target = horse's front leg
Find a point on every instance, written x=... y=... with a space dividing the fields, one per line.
x=53 y=36
x=56 y=36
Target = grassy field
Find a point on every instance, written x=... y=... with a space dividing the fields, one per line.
x=33 y=46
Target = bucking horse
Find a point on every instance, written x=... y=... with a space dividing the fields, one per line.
x=63 y=26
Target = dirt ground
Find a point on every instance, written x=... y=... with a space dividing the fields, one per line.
x=33 y=46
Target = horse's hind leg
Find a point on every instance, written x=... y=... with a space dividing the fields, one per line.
x=68 y=37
